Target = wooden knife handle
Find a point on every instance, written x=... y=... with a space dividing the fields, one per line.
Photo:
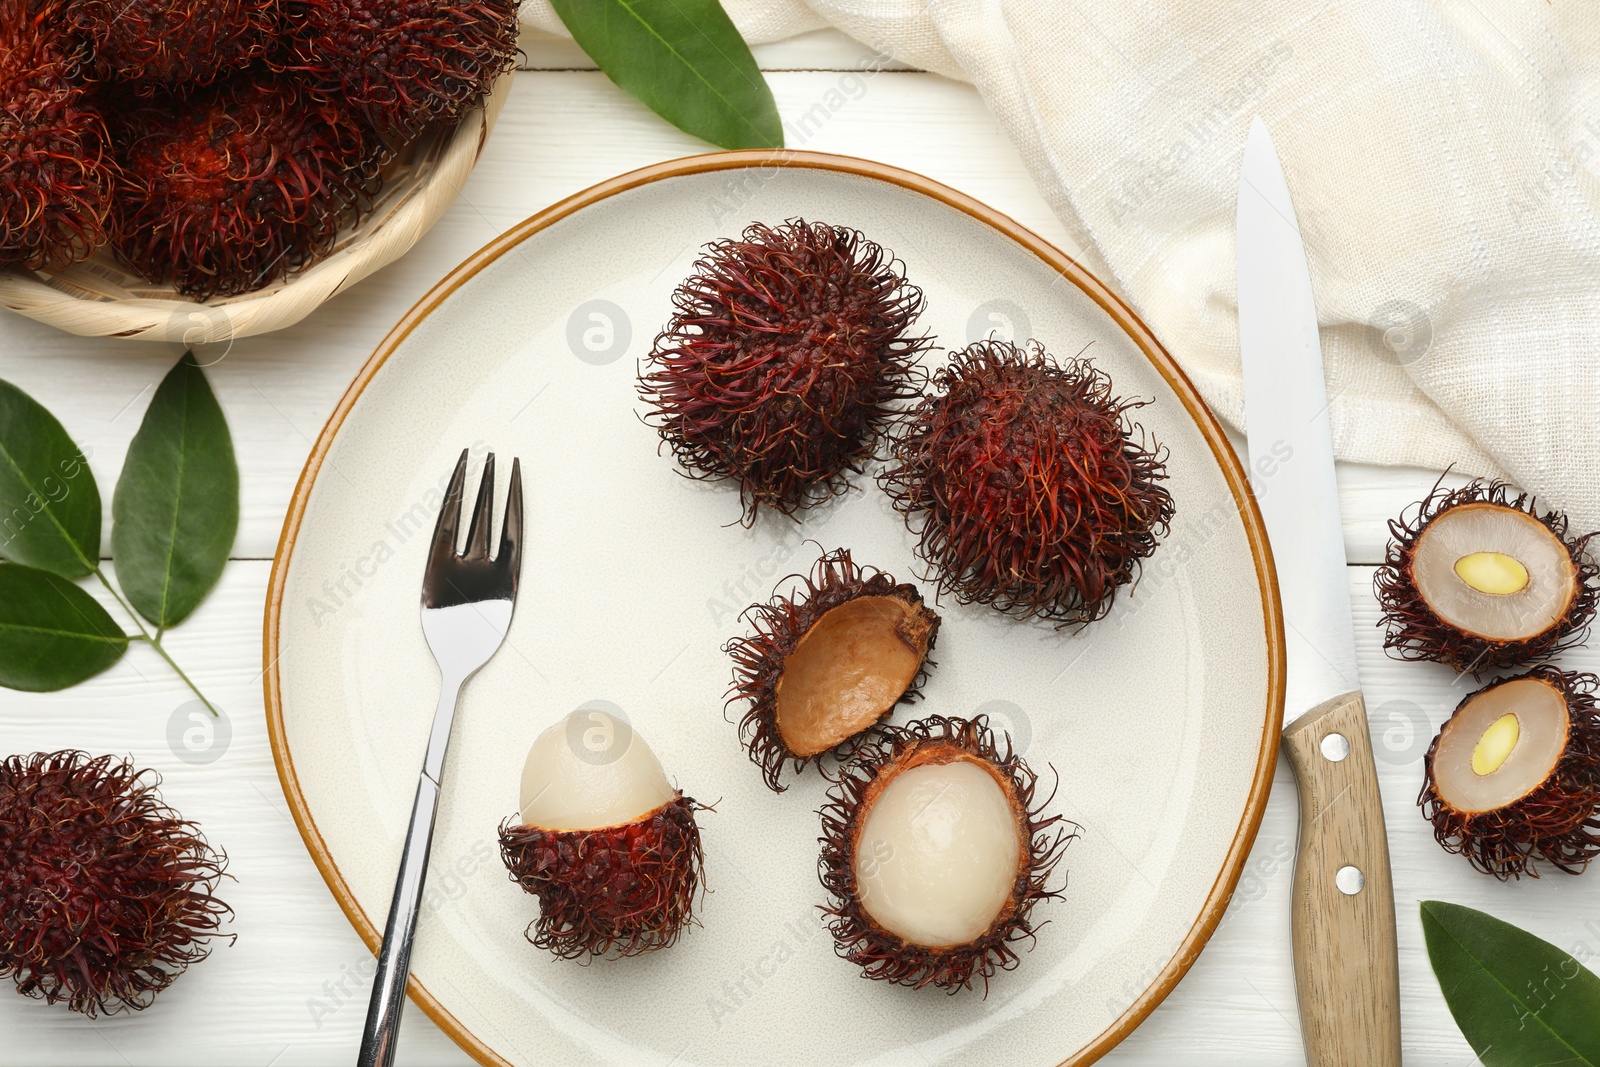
x=1346 y=970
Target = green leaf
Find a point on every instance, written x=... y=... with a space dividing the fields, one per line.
x=49 y=504
x=176 y=507
x=52 y=633
x=1519 y=1001
x=685 y=61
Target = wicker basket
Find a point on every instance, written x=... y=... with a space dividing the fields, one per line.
x=102 y=298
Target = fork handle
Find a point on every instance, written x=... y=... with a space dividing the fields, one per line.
x=378 y=1037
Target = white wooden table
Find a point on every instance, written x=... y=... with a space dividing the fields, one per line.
x=288 y=991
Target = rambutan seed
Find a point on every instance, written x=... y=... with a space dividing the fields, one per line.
x=106 y=895
x=1026 y=485
x=610 y=849
x=178 y=43
x=231 y=189
x=788 y=352
x=56 y=174
x=405 y=64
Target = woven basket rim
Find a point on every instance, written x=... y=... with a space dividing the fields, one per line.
x=417 y=207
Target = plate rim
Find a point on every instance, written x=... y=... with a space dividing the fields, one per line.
x=1127 y=320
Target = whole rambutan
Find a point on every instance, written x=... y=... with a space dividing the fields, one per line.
x=935 y=850
x=1027 y=487
x=56 y=175
x=827 y=663
x=786 y=355
x=105 y=893
x=237 y=186
x=173 y=42
x=404 y=63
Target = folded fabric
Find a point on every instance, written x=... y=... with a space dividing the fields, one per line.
x=1444 y=159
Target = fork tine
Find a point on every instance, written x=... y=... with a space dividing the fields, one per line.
x=509 y=556
x=482 y=514
x=444 y=530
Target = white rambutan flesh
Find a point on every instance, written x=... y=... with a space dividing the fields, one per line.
x=589 y=771
x=938 y=854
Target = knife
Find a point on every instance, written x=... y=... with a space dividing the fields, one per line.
x=1347 y=975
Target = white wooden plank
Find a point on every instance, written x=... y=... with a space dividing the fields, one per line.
x=287 y=992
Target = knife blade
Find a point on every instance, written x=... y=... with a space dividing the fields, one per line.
x=1346 y=966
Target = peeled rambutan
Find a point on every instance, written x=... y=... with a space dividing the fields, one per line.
x=786 y=355
x=1026 y=485
x=105 y=893
x=1513 y=776
x=56 y=174
x=827 y=662
x=1478 y=579
x=404 y=63
x=173 y=42
x=934 y=854
x=239 y=185
x=608 y=846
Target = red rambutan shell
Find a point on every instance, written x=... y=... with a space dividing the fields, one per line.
x=884 y=754
x=105 y=893
x=759 y=660
x=617 y=891
x=404 y=63
x=1026 y=486
x=56 y=174
x=239 y=185
x=787 y=354
x=175 y=42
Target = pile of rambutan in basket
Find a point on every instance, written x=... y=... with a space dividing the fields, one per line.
x=215 y=146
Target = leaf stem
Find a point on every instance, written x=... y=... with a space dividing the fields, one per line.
x=154 y=641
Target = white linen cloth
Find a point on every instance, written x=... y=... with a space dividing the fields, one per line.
x=1443 y=155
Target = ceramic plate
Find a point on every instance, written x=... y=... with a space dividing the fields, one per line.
x=1161 y=720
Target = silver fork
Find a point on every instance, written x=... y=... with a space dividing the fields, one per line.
x=466 y=609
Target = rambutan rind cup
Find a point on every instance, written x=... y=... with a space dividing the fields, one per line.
x=101 y=297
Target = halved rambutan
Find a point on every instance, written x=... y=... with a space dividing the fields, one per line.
x=1026 y=485
x=935 y=851
x=611 y=850
x=1478 y=579
x=106 y=895
x=230 y=189
x=56 y=174
x=1513 y=777
x=786 y=355
x=827 y=662
x=173 y=42
x=405 y=64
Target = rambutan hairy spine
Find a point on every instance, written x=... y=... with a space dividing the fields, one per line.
x=56 y=173
x=405 y=64
x=788 y=353
x=231 y=189
x=106 y=894
x=1025 y=484
x=177 y=43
